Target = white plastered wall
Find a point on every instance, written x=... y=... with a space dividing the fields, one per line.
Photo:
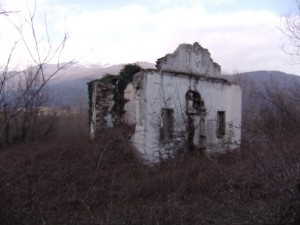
x=166 y=90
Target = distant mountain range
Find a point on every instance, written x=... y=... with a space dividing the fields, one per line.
x=70 y=88
x=258 y=85
x=93 y=71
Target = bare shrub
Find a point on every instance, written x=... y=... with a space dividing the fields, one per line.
x=60 y=182
x=291 y=29
x=22 y=91
x=76 y=181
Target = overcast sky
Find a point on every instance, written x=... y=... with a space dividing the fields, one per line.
x=241 y=35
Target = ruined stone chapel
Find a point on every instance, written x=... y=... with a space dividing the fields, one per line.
x=185 y=104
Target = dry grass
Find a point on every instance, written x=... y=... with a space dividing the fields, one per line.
x=73 y=180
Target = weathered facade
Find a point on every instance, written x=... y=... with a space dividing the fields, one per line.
x=183 y=105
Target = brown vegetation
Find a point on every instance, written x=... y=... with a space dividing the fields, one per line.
x=68 y=179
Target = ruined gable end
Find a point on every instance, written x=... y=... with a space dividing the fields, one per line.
x=192 y=59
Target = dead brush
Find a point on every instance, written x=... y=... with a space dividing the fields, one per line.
x=73 y=180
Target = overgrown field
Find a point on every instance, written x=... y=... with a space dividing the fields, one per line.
x=62 y=177
x=72 y=180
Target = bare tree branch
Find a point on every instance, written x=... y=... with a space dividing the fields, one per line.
x=291 y=29
x=20 y=91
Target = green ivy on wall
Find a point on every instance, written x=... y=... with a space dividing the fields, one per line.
x=120 y=82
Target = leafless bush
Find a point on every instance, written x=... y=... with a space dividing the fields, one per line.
x=61 y=182
x=21 y=92
x=274 y=143
x=76 y=181
x=291 y=29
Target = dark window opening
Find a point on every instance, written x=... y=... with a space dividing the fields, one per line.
x=194 y=103
x=196 y=114
x=221 y=124
x=167 y=124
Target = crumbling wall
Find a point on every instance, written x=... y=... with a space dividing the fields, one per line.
x=101 y=104
x=184 y=105
x=107 y=99
x=192 y=59
x=180 y=112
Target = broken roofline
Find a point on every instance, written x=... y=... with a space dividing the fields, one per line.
x=202 y=77
x=189 y=58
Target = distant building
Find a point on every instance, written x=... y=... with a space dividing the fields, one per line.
x=184 y=104
x=45 y=111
